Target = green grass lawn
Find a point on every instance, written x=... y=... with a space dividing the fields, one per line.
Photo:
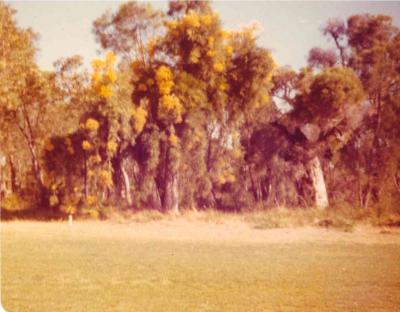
x=102 y=267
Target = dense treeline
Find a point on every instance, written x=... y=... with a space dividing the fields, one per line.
x=184 y=114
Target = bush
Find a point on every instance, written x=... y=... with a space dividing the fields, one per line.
x=14 y=202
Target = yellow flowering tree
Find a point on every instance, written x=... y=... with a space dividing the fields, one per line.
x=194 y=72
x=176 y=90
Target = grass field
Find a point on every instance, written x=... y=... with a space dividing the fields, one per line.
x=178 y=265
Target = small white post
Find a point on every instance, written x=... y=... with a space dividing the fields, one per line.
x=70 y=219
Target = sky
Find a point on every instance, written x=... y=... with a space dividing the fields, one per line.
x=289 y=28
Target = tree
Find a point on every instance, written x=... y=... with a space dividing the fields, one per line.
x=336 y=30
x=367 y=44
x=25 y=92
x=128 y=31
x=174 y=86
x=326 y=109
x=190 y=89
x=322 y=58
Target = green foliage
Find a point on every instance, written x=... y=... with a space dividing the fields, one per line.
x=329 y=94
x=332 y=90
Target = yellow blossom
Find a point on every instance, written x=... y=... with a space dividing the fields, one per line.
x=90 y=173
x=221 y=179
x=105 y=92
x=173 y=139
x=191 y=19
x=163 y=73
x=112 y=146
x=237 y=153
x=91 y=200
x=206 y=19
x=223 y=86
x=189 y=33
x=229 y=50
x=211 y=41
x=96 y=77
x=195 y=56
x=171 y=106
x=93 y=213
x=106 y=178
x=164 y=80
x=69 y=209
x=86 y=145
x=218 y=67
x=151 y=45
x=172 y=24
x=96 y=159
x=226 y=34
x=169 y=102
x=110 y=58
x=92 y=124
x=211 y=53
x=230 y=178
x=139 y=116
x=53 y=200
x=97 y=64
x=111 y=75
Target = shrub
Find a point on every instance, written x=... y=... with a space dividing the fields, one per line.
x=14 y=202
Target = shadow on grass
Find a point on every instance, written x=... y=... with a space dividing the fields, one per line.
x=30 y=214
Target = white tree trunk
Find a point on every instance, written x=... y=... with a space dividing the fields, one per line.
x=127 y=185
x=175 y=195
x=171 y=197
x=317 y=176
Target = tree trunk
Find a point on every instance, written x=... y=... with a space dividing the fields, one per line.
x=38 y=174
x=3 y=185
x=367 y=197
x=317 y=177
x=127 y=184
x=36 y=167
x=13 y=176
x=171 y=196
x=155 y=199
x=85 y=182
x=253 y=185
x=171 y=180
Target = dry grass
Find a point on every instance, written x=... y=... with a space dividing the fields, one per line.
x=338 y=218
x=192 y=265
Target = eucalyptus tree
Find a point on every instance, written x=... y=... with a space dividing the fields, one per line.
x=195 y=93
x=326 y=109
x=368 y=44
x=25 y=95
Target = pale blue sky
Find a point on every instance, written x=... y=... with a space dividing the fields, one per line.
x=290 y=29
